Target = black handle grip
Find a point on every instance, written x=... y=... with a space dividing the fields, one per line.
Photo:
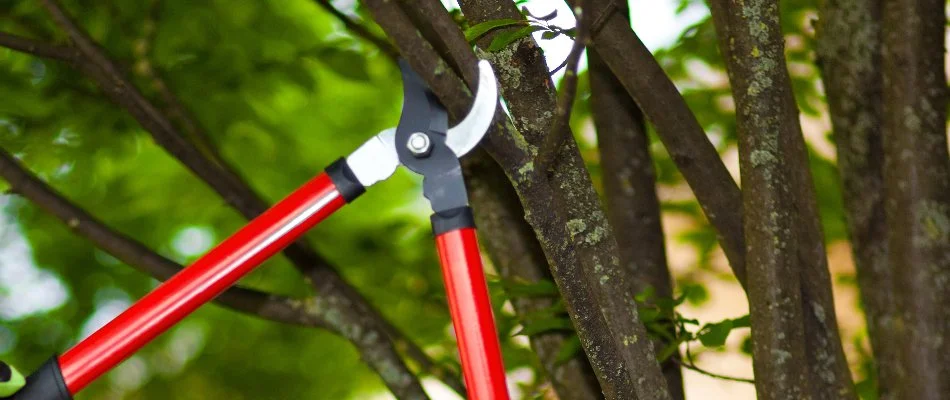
x=45 y=384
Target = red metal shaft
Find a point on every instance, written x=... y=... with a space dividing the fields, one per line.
x=471 y=313
x=208 y=277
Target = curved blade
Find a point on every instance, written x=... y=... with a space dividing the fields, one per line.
x=463 y=137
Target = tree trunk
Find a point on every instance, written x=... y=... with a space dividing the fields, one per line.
x=917 y=190
x=751 y=41
x=849 y=48
x=630 y=192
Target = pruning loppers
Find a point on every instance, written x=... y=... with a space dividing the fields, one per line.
x=425 y=144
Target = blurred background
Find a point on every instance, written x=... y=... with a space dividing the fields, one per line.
x=283 y=89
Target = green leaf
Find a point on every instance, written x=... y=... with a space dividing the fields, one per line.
x=507 y=38
x=714 y=335
x=478 y=30
x=539 y=326
x=746 y=346
x=548 y=35
x=696 y=294
x=569 y=349
x=741 y=322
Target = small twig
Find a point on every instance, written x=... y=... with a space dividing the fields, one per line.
x=560 y=125
x=561 y=66
x=359 y=30
x=691 y=365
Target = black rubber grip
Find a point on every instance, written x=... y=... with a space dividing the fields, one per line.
x=450 y=220
x=45 y=384
x=345 y=180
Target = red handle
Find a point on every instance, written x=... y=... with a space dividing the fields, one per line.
x=472 y=315
x=202 y=281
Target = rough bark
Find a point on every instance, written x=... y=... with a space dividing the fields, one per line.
x=564 y=212
x=514 y=250
x=630 y=192
x=774 y=290
x=752 y=44
x=917 y=193
x=849 y=47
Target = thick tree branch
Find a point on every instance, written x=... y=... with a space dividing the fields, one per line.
x=359 y=30
x=917 y=192
x=596 y=296
x=752 y=44
x=849 y=47
x=681 y=134
x=264 y=305
x=630 y=192
x=442 y=32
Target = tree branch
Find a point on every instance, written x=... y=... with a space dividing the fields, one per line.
x=359 y=30
x=561 y=123
x=690 y=364
x=264 y=305
x=443 y=33
x=849 y=47
x=39 y=49
x=630 y=192
x=917 y=191
x=775 y=150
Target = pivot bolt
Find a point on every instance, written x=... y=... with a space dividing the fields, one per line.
x=419 y=144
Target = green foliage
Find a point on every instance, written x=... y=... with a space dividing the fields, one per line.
x=506 y=38
x=664 y=322
x=478 y=30
x=524 y=29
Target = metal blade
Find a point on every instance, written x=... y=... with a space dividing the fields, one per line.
x=463 y=137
